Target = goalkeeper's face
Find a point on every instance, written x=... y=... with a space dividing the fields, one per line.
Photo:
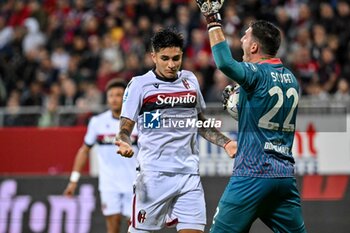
x=115 y=98
x=168 y=61
x=249 y=47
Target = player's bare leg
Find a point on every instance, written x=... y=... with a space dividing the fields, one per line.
x=190 y=231
x=113 y=223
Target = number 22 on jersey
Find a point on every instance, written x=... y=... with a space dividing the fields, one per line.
x=266 y=120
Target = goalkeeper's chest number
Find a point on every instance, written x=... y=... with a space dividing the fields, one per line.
x=265 y=121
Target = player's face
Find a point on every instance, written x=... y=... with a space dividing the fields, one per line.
x=248 y=45
x=115 y=98
x=168 y=61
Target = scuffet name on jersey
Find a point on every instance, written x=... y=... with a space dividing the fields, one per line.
x=282 y=78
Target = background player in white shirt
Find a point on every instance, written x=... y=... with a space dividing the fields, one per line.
x=167 y=105
x=116 y=174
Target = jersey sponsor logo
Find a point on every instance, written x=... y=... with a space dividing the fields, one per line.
x=151 y=120
x=106 y=139
x=188 y=98
x=277 y=148
x=141 y=217
x=183 y=99
x=156 y=85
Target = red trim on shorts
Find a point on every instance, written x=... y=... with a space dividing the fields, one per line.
x=172 y=222
x=133 y=211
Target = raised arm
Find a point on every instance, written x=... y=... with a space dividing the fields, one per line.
x=123 y=140
x=221 y=51
x=213 y=135
x=216 y=34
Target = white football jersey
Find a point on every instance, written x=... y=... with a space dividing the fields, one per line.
x=166 y=112
x=116 y=173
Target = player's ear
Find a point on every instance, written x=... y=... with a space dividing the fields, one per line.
x=153 y=56
x=254 y=48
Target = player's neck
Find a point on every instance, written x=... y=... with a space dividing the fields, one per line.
x=162 y=77
x=259 y=58
x=116 y=114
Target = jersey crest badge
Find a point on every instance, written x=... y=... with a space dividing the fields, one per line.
x=185 y=83
x=141 y=217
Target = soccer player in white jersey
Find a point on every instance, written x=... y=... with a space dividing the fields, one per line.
x=166 y=103
x=116 y=174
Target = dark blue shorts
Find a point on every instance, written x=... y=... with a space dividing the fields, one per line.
x=276 y=201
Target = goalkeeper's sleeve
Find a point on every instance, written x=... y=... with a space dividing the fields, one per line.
x=224 y=61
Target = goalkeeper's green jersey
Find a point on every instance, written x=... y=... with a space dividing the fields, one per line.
x=268 y=102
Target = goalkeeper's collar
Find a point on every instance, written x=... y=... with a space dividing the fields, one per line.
x=273 y=61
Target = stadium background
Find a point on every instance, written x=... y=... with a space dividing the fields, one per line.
x=57 y=55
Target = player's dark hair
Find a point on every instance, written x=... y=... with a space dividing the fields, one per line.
x=166 y=38
x=116 y=82
x=267 y=35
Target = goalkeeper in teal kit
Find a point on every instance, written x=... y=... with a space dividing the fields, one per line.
x=262 y=184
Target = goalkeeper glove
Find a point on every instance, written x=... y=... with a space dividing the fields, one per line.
x=210 y=9
x=226 y=95
x=230 y=100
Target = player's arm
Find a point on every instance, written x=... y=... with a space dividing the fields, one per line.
x=220 y=49
x=79 y=162
x=123 y=140
x=213 y=135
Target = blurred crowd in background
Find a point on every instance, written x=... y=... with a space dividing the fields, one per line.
x=63 y=52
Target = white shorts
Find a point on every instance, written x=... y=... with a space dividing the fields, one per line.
x=116 y=203
x=167 y=199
